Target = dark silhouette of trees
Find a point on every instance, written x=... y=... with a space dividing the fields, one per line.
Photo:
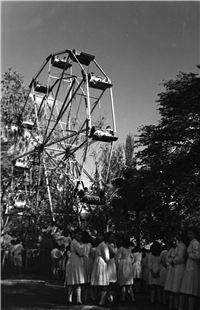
x=171 y=151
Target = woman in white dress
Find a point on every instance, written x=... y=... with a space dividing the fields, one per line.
x=145 y=268
x=154 y=272
x=137 y=268
x=163 y=273
x=87 y=263
x=168 y=282
x=191 y=279
x=124 y=260
x=178 y=264
x=99 y=277
x=75 y=268
x=112 y=270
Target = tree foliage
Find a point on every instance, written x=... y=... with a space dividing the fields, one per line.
x=171 y=150
x=14 y=98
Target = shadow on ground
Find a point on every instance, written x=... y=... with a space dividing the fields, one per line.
x=32 y=293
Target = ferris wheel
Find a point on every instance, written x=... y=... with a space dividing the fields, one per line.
x=73 y=116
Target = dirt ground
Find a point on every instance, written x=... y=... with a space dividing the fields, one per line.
x=33 y=293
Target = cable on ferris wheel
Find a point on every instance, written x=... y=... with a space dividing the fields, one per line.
x=56 y=130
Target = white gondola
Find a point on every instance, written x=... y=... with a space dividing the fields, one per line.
x=21 y=163
x=92 y=200
x=60 y=63
x=40 y=88
x=20 y=203
x=99 y=82
x=83 y=58
x=20 y=167
x=103 y=134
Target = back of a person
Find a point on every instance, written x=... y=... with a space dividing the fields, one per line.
x=100 y=250
x=87 y=248
x=155 y=263
x=138 y=256
x=126 y=253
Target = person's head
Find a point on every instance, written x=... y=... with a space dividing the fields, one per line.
x=78 y=234
x=174 y=242
x=110 y=237
x=12 y=241
x=147 y=248
x=67 y=232
x=119 y=241
x=136 y=249
x=156 y=248
x=126 y=242
x=192 y=233
x=86 y=238
x=100 y=237
x=182 y=236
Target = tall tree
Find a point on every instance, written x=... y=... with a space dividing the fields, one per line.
x=129 y=151
x=171 y=149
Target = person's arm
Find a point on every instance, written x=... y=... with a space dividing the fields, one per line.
x=112 y=250
x=105 y=253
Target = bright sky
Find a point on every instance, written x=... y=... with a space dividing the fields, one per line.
x=138 y=45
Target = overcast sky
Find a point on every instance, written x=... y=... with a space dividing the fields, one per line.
x=138 y=44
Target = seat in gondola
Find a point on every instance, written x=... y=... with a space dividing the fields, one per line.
x=102 y=134
x=99 y=82
x=83 y=58
x=60 y=63
x=40 y=88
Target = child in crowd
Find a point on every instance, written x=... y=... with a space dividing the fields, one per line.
x=75 y=268
x=112 y=271
x=190 y=285
x=56 y=256
x=17 y=256
x=168 y=282
x=163 y=273
x=178 y=264
x=87 y=263
x=154 y=272
x=100 y=277
x=137 y=268
x=125 y=269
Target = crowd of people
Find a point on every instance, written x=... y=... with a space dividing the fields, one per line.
x=109 y=269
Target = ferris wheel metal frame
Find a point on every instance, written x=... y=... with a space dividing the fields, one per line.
x=63 y=124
